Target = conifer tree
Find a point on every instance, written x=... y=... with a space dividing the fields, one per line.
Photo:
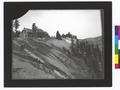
x=58 y=36
x=34 y=27
x=72 y=45
x=16 y=24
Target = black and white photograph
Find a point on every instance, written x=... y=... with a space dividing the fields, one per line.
x=58 y=44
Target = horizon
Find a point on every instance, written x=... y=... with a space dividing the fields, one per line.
x=82 y=23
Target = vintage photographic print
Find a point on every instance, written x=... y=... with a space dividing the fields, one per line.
x=58 y=44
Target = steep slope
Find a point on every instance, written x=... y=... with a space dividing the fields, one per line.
x=38 y=59
x=58 y=43
x=95 y=56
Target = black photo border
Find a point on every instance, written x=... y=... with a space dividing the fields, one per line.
x=14 y=10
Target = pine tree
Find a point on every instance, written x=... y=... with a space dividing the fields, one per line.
x=77 y=48
x=34 y=27
x=72 y=45
x=58 y=36
x=16 y=24
x=77 y=43
x=63 y=35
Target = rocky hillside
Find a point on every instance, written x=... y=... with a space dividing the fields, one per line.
x=46 y=59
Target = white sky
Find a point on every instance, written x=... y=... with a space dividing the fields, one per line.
x=82 y=23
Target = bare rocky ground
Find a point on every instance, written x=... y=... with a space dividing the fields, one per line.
x=46 y=59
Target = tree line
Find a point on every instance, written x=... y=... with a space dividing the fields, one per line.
x=91 y=54
x=69 y=35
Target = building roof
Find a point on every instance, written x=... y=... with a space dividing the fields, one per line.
x=30 y=30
